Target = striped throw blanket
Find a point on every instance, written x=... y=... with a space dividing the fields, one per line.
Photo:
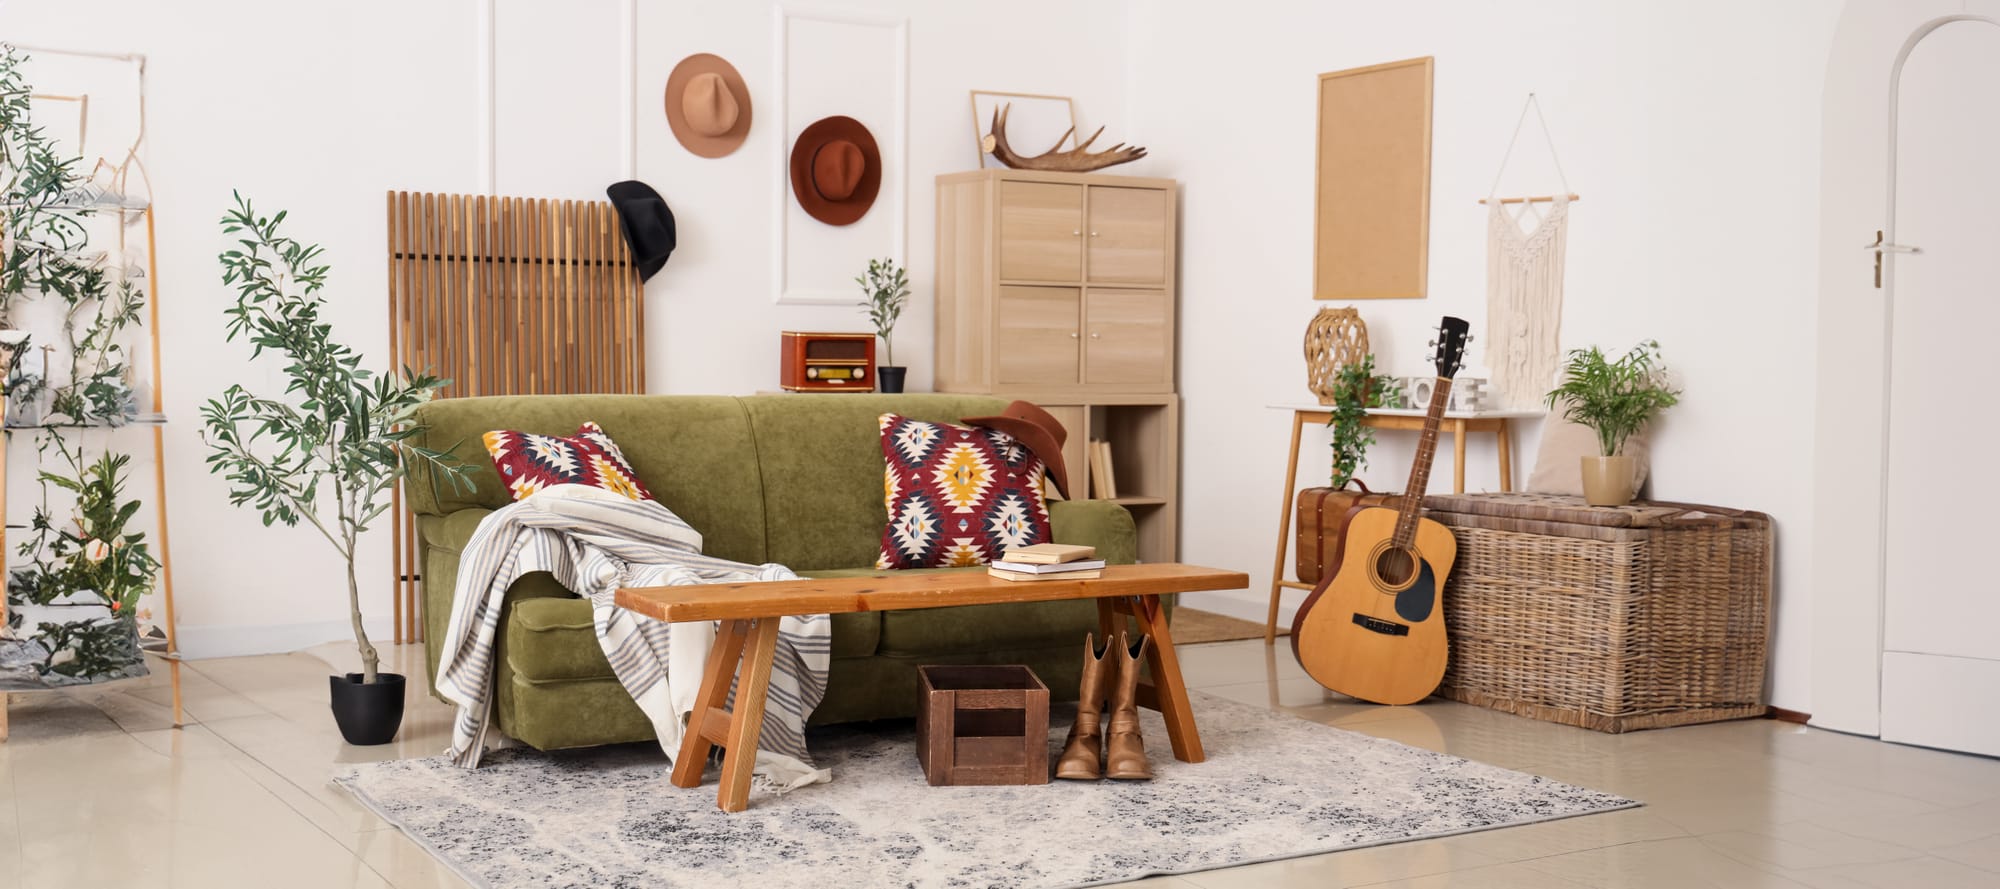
x=595 y=542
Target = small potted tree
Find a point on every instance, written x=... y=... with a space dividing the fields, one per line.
x=1616 y=399
x=887 y=288
x=330 y=448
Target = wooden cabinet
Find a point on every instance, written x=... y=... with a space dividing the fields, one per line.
x=1059 y=288
x=1059 y=281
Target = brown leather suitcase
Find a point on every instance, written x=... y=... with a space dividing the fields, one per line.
x=1323 y=517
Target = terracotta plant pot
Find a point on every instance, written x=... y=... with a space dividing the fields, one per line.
x=1608 y=481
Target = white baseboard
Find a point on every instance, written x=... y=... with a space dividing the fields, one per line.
x=230 y=640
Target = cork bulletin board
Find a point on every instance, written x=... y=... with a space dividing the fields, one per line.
x=1371 y=232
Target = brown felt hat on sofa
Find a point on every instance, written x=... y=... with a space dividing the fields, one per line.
x=708 y=106
x=836 y=170
x=1038 y=430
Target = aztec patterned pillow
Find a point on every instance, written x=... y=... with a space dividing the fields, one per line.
x=957 y=495
x=528 y=462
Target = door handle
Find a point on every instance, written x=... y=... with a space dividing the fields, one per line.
x=1880 y=248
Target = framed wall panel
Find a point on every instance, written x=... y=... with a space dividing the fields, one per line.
x=1371 y=231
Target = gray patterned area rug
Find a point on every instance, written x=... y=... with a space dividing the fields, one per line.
x=1274 y=786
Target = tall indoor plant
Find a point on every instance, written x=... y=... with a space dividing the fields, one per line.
x=887 y=288
x=329 y=449
x=1616 y=398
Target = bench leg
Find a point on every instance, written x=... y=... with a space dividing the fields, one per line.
x=1169 y=692
x=740 y=756
x=712 y=698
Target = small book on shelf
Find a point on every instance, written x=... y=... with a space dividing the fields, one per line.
x=1103 y=485
x=1024 y=576
x=1049 y=553
x=1042 y=568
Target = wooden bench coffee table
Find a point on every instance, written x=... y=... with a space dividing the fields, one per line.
x=750 y=612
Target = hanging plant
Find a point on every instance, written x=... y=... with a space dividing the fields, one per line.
x=1356 y=388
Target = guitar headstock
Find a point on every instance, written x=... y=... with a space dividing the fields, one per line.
x=1448 y=350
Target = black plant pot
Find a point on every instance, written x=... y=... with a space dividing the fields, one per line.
x=889 y=378
x=368 y=714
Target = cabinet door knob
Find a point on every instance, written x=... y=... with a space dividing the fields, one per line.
x=1072 y=334
x=1093 y=336
x=1093 y=234
x=1074 y=233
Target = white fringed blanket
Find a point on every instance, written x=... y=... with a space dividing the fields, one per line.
x=595 y=542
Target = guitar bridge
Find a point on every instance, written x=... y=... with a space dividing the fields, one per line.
x=1378 y=625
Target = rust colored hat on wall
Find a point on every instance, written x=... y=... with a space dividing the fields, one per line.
x=836 y=170
x=708 y=106
x=1035 y=428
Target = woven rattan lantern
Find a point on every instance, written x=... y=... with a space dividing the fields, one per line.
x=1334 y=339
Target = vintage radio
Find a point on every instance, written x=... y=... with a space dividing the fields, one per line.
x=827 y=362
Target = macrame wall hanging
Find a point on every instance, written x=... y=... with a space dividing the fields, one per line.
x=1524 y=279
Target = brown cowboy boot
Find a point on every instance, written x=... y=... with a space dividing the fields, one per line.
x=1124 y=750
x=1083 y=751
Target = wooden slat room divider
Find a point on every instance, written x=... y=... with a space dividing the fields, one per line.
x=507 y=296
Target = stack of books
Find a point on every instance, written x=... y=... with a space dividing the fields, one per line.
x=1048 y=561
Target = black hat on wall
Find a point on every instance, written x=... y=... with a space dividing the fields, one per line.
x=647 y=222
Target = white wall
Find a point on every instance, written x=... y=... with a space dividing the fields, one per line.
x=321 y=108
x=1690 y=129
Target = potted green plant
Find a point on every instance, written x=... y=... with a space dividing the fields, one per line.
x=329 y=449
x=887 y=288
x=1356 y=388
x=1616 y=399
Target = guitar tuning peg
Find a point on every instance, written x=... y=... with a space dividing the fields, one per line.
x=1433 y=344
x=1469 y=338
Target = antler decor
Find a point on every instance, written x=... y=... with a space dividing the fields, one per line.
x=1075 y=160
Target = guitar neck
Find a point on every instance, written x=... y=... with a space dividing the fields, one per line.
x=1420 y=471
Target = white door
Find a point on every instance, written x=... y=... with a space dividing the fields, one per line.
x=1941 y=597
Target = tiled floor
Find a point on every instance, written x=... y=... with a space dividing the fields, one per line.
x=97 y=790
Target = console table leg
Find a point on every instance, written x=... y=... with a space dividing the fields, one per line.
x=1504 y=434
x=1169 y=689
x=713 y=696
x=1284 y=530
x=740 y=757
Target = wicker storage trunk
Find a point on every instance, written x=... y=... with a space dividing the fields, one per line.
x=1614 y=619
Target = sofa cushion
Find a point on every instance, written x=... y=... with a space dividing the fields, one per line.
x=528 y=462
x=821 y=458
x=957 y=496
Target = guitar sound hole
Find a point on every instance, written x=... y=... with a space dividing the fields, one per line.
x=1395 y=566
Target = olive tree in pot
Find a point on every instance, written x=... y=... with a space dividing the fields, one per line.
x=329 y=450
x=887 y=288
x=1616 y=399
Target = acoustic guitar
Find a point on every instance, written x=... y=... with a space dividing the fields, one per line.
x=1374 y=629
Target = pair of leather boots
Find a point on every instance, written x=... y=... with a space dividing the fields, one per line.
x=1110 y=681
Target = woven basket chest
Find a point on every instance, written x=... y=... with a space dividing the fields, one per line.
x=1615 y=619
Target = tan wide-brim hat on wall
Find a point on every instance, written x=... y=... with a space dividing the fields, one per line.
x=836 y=170
x=708 y=106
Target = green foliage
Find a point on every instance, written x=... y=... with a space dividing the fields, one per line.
x=1356 y=388
x=94 y=552
x=1614 y=398
x=330 y=449
x=887 y=288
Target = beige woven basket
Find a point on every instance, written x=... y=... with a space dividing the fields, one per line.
x=1614 y=619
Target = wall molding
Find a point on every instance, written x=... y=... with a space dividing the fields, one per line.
x=899 y=140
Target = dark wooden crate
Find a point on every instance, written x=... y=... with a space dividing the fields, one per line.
x=983 y=725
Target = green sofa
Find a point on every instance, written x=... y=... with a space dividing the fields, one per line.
x=793 y=479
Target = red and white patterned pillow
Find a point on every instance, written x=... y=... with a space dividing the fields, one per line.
x=957 y=495
x=528 y=462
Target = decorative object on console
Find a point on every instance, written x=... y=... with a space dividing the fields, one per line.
x=1375 y=629
x=1660 y=611
x=708 y=106
x=556 y=306
x=836 y=170
x=825 y=362
x=1076 y=160
x=648 y=224
x=957 y=495
x=1524 y=278
x=887 y=288
x=1372 y=195
x=1043 y=119
x=1039 y=431
x=1356 y=388
x=1334 y=339
x=982 y=725
x=346 y=435
x=1616 y=399
x=1470 y=395
x=527 y=462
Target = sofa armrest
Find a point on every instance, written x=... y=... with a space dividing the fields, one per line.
x=1098 y=523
